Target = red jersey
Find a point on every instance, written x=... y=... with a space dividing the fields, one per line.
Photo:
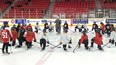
x=5 y=34
x=30 y=36
x=29 y=26
x=14 y=35
x=83 y=37
x=102 y=27
x=98 y=39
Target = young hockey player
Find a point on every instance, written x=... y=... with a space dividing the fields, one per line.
x=46 y=26
x=112 y=39
x=65 y=26
x=58 y=25
x=64 y=40
x=102 y=27
x=108 y=29
x=37 y=27
x=51 y=27
x=94 y=26
x=5 y=34
x=14 y=36
x=84 y=40
x=78 y=26
x=97 y=39
x=28 y=26
x=21 y=37
x=30 y=35
x=18 y=27
x=43 y=40
x=85 y=27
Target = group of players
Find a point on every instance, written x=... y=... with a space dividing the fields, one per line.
x=26 y=33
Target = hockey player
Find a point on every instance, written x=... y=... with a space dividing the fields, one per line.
x=14 y=36
x=30 y=35
x=78 y=26
x=46 y=26
x=85 y=27
x=94 y=26
x=37 y=27
x=102 y=27
x=21 y=37
x=14 y=26
x=97 y=39
x=112 y=39
x=5 y=34
x=43 y=40
x=84 y=40
x=18 y=27
x=58 y=25
x=51 y=27
x=65 y=26
x=64 y=40
x=108 y=29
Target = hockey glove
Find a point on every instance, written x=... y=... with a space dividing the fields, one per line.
x=10 y=39
x=48 y=42
x=34 y=40
x=60 y=42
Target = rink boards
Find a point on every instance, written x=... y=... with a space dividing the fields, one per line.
x=71 y=22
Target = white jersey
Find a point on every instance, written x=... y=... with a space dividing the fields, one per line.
x=45 y=37
x=79 y=25
x=113 y=35
x=64 y=38
x=85 y=26
x=37 y=26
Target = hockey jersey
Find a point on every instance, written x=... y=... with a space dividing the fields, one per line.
x=5 y=35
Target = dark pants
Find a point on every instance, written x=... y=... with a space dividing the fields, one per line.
x=5 y=46
x=92 y=42
x=99 y=47
x=107 y=31
x=36 y=30
x=21 y=40
x=58 y=29
x=13 y=43
x=85 y=42
x=43 y=43
x=29 y=44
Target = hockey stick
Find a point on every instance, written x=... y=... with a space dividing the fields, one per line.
x=105 y=44
x=56 y=46
x=71 y=30
x=75 y=48
x=10 y=47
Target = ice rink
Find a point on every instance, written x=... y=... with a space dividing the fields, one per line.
x=57 y=56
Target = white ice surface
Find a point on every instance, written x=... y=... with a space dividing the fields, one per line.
x=57 y=56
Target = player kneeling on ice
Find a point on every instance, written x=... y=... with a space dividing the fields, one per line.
x=84 y=40
x=97 y=39
x=65 y=40
x=30 y=35
x=113 y=37
x=65 y=26
x=43 y=40
x=5 y=34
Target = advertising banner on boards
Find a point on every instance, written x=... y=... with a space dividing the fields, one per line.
x=82 y=21
x=10 y=21
x=97 y=20
x=20 y=21
x=113 y=21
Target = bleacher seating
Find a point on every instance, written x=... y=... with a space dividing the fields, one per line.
x=108 y=4
x=3 y=5
x=25 y=9
x=72 y=7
